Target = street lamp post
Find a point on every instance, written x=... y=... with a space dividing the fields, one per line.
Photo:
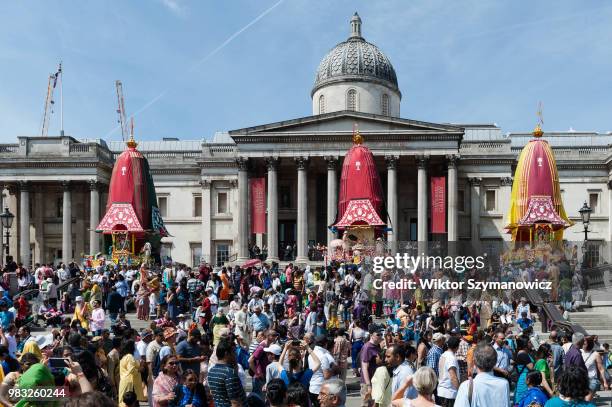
x=585 y=214
x=7 y=221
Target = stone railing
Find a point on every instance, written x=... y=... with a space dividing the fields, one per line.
x=166 y=155
x=484 y=147
x=8 y=149
x=210 y=150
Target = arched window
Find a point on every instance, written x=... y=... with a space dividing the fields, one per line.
x=385 y=104
x=351 y=100
x=321 y=104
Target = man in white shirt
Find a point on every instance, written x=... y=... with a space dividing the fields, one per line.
x=180 y=275
x=406 y=357
x=448 y=369
x=486 y=389
x=62 y=273
x=325 y=371
x=51 y=292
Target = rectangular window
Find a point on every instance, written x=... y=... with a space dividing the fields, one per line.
x=490 y=201
x=285 y=197
x=222 y=202
x=60 y=207
x=222 y=253
x=196 y=254
x=592 y=254
x=460 y=200
x=162 y=204
x=594 y=201
x=165 y=253
x=197 y=206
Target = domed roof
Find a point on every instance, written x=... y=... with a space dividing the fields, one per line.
x=355 y=59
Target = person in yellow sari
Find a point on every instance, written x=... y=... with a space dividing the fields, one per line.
x=129 y=373
x=31 y=347
x=82 y=311
x=96 y=293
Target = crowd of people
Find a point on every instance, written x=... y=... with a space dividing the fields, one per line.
x=284 y=337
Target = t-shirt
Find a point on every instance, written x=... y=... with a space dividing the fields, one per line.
x=225 y=385
x=326 y=362
x=273 y=371
x=542 y=366
x=557 y=402
x=368 y=355
x=445 y=388
x=187 y=350
x=302 y=377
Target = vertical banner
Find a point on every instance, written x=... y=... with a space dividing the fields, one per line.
x=438 y=204
x=258 y=205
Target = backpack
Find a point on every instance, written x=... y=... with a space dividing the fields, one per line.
x=156 y=364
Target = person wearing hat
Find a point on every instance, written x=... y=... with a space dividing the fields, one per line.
x=433 y=356
x=274 y=368
x=170 y=343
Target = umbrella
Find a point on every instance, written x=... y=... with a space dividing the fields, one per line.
x=251 y=263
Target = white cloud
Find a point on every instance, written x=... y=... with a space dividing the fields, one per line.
x=175 y=6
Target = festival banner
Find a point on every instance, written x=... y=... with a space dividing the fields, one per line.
x=258 y=205
x=438 y=204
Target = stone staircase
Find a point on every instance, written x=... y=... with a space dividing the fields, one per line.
x=596 y=321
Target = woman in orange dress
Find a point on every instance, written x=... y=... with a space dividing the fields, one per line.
x=224 y=294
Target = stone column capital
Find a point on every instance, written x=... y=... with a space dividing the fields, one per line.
x=301 y=162
x=233 y=183
x=475 y=181
x=205 y=183
x=93 y=185
x=391 y=161
x=452 y=160
x=65 y=186
x=506 y=181
x=24 y=186
x=332 y=162
x=242 y=163
x=272 y=163
x=422 y=161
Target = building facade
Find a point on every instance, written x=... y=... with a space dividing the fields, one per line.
x=57 y=186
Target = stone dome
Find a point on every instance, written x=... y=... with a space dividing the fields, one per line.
x=355 y=60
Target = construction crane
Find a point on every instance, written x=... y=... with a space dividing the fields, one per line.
x=121 y=111
x=49 y=102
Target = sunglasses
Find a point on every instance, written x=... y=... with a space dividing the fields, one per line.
x=172 y=363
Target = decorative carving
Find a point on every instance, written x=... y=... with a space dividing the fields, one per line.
x=301 y=162
x=475 y=181
x=93 y=185
x=206 y=184
x=422 y=161
x=391 y=161
x=65 y=185
x=272 y=163
x=332 y=162
x=233 y=183
x=452 y=160
x=506 y=181
x=242 y=163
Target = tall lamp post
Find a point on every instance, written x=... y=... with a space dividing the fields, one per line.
x=7 y=221
x=585 y=214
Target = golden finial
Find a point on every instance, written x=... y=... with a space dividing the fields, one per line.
x=357 y=139
x=538 y=132
x=131 y=143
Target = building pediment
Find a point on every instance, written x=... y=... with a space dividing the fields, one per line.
x=338 y=123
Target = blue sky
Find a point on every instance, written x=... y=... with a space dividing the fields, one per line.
x=456 y=61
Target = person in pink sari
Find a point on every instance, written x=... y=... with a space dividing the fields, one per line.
x=142 y=302
x=168 y=378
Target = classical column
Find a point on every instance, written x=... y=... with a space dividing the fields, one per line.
x=609 y=242
x=475 y=211
x=243 y=209
x=67 y=224
x=206 y=221
x=302 y=202
x=452 y=198
x=94 y=216
x=272 y=225
x=422 y=226
x=24 y=223
x=39 y=235
x=2 y=203
x=332 y=195
x=392 y=236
